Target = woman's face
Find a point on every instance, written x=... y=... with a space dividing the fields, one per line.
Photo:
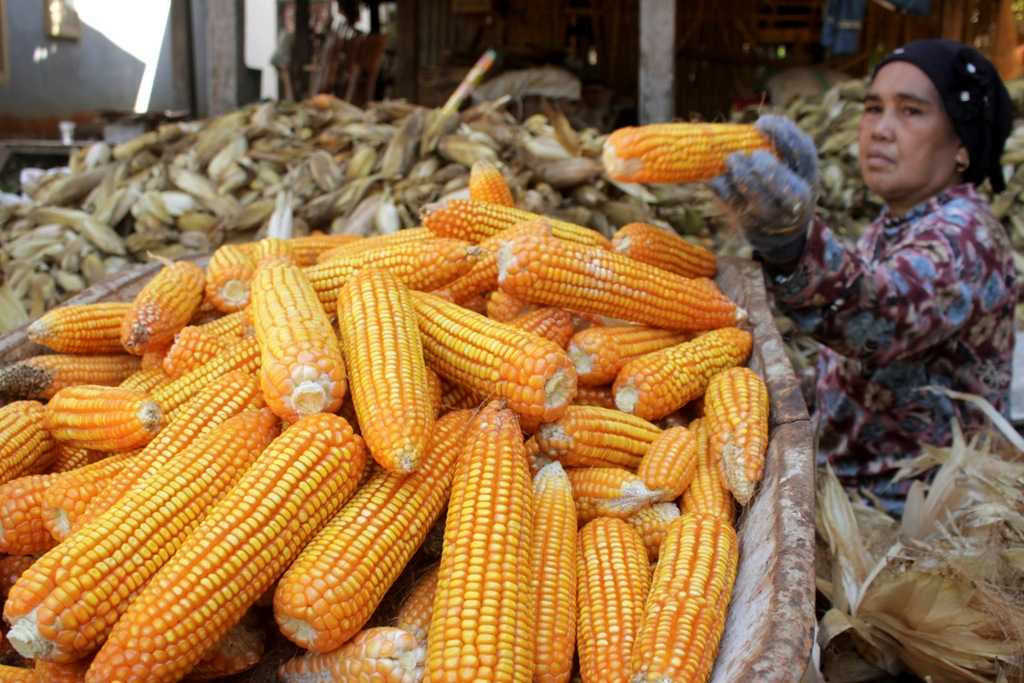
x=908 y=148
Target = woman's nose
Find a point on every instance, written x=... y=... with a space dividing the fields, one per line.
x=883 y=130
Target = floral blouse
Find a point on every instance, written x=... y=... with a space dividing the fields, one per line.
x=923 y=299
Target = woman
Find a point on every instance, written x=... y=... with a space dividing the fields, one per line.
x=927 y=295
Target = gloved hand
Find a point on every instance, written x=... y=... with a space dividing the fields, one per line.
x=773 y=199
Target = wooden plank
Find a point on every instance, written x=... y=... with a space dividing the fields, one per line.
x=657 y=61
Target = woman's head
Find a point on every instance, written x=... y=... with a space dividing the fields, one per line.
x=936 y=114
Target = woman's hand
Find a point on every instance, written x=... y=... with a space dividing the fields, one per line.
x=772 y=199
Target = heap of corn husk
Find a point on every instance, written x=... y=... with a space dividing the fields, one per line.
x=940 y=593
x=322 y=164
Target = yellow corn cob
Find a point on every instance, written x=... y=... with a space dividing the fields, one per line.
x=40 y=377
x=375 y=242
x=600 y=352
x=214 y=404
x=457 y=397
x=336 y=583
x=476 y=221
x=534 y=375
x=54 y=672
x=232 y=326
x=534 y=457
x=306 y=250
x=66 y=497
x=652 y=523
x=554 y=324
x=676 y=152
x=599 y=437
x=71 y=458
x=301 y=367
x=145 y=381
x=102 y=418
x=595 y=396
x=477 y=304
x=608 y=492
x=654 y=385
x=380 y=655
x=238 y=650
x=26 y=447
x=16 y=674
x=384 y=359
x=504 y=307
x=737 y=420
x=483 y=622
x=154 y=358
x=414 y=614
x=707 y=493
x=22 y=531
x=685 y=612
x=243 y=355
x=271 y=249
x=545 y=270
x=553 y=574
x=288 y=493
x=436 y=392
x=119 y=551
x=191 y=348
x=165 y=305
x=486 y=184
x=227 y=277
x=612 y=581
x=664 y=249
x=83 y=328
x=670 y=463
x=421 y=265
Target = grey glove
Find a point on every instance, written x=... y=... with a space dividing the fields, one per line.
x=773 y=199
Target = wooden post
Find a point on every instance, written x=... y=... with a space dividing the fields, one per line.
x=657 y=60
x=407 y=68
x=222 y=41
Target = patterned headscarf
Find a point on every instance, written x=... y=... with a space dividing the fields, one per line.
x=974 y=97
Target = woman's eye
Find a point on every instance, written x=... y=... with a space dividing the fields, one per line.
x=911 y=111
x=873 y=109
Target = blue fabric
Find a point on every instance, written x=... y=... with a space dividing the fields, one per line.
x=921 y=8
x=840 y=31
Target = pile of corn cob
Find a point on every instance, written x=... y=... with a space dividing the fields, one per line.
x=286 y=427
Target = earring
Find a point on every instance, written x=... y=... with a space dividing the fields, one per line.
x=961 y=166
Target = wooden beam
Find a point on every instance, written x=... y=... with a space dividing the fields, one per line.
x=657 y=60
x=222 y=41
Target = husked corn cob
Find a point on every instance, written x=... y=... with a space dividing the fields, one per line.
x=239 y=649
x=40 y=377
x=654 y=385
x=381 y=655
x=54 y=672
x=17 y=674
x=334 y=586
x=504 y=307
x=607 y=492
x=477 y=304
x=545 y=270
x=228 y=275
x=421 y=264
x=165 y=305
x=145 y=380
x=553 y=574
x=375 y=242
x=243 y=355
x=600 y=352
x=676 y=152
x=554 y=324
x=271 y=249
x=214 y=404
x=707 y=493
x=66 y=497
x=384 y=357
x=306 y=249
x=82 y=328
x=414 y=614
x=294 y=486
x=534 y=375
x=476 y=221
x=191 y=348
x=26 y=447
x=595 y=396
x=737 y=420
x=652 y=523
x=70 y=458
x=232 y=326
x=436 y=392
x=599 y=437
x=21 y=515
x=457 y=397
x=612 y=582
x=664 y=249
x=483 y=622
x=685 y=612
x=670 y=463
x=102 y=418
x=154 y=358
x=486 y=184
x=534 y=456
x=119 y=551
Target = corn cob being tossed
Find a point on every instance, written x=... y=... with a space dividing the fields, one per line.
x=676 y=152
